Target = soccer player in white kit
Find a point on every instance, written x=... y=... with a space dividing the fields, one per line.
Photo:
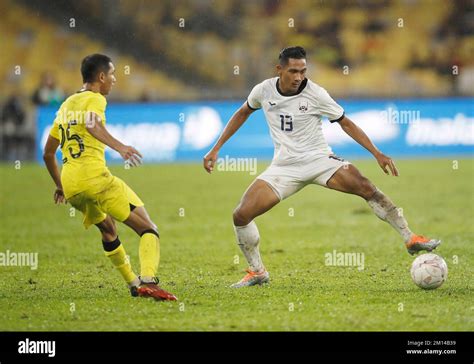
x=294 y=107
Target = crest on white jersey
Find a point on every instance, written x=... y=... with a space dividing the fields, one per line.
x=303 y=107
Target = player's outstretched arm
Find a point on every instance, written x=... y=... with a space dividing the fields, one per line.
x=95 y=127
x=49 y=157
x=235 y=122
x=356 y=133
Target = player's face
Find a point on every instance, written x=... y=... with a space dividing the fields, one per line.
x=292 y=74
x=107 y=80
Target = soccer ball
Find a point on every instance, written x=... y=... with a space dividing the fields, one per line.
x=429 y=271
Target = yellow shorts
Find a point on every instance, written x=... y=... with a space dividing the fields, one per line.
x=114 y=200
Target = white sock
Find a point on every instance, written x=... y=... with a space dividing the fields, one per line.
x=385 y=210
x=248 y=240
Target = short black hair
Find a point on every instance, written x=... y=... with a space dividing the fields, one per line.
x=291 y=52
x=92 y=65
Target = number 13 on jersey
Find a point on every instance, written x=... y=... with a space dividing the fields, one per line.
x=286 y=122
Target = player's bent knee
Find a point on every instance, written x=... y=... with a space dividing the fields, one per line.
x=366 y=189
x=240 y=218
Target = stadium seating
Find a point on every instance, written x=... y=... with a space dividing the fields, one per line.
x=38 y=44
x=389 y=48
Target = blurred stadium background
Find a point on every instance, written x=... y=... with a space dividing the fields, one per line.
x=194 y=52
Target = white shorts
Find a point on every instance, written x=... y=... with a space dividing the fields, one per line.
x=286 y=180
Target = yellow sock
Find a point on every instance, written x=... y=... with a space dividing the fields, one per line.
x=118 y=257
x=149 y=252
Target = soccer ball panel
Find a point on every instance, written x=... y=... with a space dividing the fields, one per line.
x=429 y=271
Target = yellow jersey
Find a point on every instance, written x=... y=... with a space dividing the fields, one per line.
x=83 y=155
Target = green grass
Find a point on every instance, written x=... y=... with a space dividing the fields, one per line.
x=198 y=252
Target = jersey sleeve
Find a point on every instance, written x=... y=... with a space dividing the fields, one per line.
x=328 y=107
x=254 y=100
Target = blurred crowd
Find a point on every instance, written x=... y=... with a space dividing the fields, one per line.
x=218 y=49
x=17 y=133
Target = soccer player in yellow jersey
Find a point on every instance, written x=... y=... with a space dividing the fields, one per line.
x=87 y=184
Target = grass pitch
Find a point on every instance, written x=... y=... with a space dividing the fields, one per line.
x=76 y=288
